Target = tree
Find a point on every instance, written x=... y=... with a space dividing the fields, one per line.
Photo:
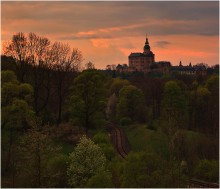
x=88 y=97
x=174 y=117
x=101 y=180
x=131 y=104
x=104 y=142
x=86 y=161
x=45 y=66
x=16 y=115
x=144 y=170
x=38 y=159
x=90 y=66
x=116 y=85
x=153 y=90
x=174 y=108
x=200 y=109
x=207 y=170
x=18 y=49
x=65 y=63
x=213 y=86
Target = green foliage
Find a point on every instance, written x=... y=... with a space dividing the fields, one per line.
x=100 y=180
x=131 y=104
x=213 y=84
x=142 y=139
x=125 y=121
x=151 y=125
x=88 y=97
x=17 y=115
x=86 y=161
x=207 y=170
x=57 y=166
x=174 y=108
x=101 y=137
x=26 y=92
x=8 y=76
x=39 y=161
x=117 y=84
x=103 y=140
x=145 y=169
x=16 y=99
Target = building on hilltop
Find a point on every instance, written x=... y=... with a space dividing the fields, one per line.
x=145 y=62
x=198 y=69
x=183 y=70
x=141 y=61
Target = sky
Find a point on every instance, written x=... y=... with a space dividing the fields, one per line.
x=107 y=32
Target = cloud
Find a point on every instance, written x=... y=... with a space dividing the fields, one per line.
x=116 y=18
x=162 y=44
x=108 y=31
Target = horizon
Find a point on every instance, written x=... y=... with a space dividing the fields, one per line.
x=107 y=32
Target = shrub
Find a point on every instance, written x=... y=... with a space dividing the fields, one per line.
x=125 y=121
x=101 y=138
x=207 y=170
x=103 y=141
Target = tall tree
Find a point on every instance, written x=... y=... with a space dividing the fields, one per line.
x=35 y=57
x=40 y=59
x=37 y=159
x=16 y=115
x=65 y=63
x=88 y=97
x=131 y=104
x=18 y=49
x=144 y=170
x=174 y=107
x=174 y=117
x=213 y=86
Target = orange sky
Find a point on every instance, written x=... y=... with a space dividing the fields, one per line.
x=107 y=32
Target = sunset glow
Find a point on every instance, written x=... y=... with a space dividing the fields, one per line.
x=107 y=32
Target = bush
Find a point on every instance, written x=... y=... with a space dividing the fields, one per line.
x=207 y=170
x=125 y=121
x=101 y=138
x=67 y=133
x=101 y=180
x=151 y=126
x=103 y=141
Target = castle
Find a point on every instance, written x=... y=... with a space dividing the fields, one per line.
x=142 y=61
x=145 y=62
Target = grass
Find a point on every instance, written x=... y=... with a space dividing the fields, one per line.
x=143 y=139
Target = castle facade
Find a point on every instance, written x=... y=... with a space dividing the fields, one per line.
x=138 y=61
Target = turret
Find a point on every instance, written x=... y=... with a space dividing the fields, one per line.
x=146 y=46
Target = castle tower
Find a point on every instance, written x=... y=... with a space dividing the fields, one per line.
x=146 y=46
x=142 y=61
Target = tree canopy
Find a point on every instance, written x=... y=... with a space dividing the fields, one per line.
x=86 y=161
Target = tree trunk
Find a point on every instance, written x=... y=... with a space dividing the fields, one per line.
x=9 y=151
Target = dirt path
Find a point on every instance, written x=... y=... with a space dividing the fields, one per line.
x=119 y=140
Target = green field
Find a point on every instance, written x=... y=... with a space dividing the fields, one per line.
x=143 y=139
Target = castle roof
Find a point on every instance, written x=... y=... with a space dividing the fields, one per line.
x=138 y=54
x=182 y=68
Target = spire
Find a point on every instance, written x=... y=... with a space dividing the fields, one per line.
x=146 y=46
x=180 y=64
x=190 y=64
x=146 y=42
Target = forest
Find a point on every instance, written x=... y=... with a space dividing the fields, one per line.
x=56 y=113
